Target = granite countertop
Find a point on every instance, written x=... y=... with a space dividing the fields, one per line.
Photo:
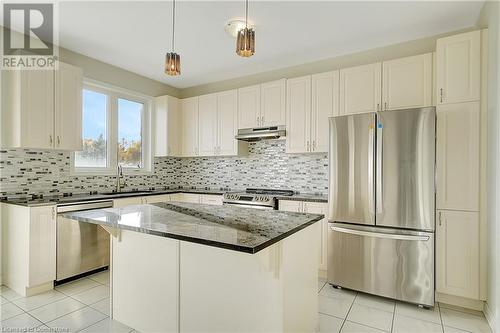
x=56 y=200
x=241 y=229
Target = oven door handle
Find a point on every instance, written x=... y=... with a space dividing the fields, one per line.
x=248 y=206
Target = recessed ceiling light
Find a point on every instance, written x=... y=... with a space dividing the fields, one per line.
x=234 y=25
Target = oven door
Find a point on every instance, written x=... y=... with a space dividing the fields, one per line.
x=246 y=205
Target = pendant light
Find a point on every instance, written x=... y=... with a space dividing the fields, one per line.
x=245 y=41
x=172 y=59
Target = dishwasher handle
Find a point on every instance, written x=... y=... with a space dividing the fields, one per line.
x=380 y=234
x=74 y=207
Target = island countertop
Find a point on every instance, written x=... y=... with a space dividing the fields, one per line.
x=241 y=229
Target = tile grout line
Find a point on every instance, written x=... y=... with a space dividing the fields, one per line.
x=393 y=316
x=347 y=314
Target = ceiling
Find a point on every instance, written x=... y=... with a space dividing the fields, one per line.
x=135 y=35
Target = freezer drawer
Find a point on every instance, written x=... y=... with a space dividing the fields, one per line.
x=393 y=263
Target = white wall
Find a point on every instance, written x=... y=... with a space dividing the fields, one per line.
x=490 y=17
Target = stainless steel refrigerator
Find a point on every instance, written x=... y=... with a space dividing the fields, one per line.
x=381 y=204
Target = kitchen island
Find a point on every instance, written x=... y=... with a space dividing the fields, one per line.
x=180 y=267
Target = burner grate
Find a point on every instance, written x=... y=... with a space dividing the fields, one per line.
x=265 y=191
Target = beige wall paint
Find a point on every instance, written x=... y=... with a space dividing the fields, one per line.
x=490 y=18
x=409 y=48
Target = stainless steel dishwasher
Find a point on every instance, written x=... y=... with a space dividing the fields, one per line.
x=81 y=247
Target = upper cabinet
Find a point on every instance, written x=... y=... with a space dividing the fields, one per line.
x=458 y=72
x=168 y=126
x=272 y=97
x=361 y=89
x=227 y=124
x=457 y=156
x=298 y=115
x=189 y=121
x=325 y=104
x=207 y=128
x=262 y=105
x=42 y=109
x=249 y=106
x=407 y=82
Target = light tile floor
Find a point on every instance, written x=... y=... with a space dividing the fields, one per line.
x=349 y=311
x=83 y=306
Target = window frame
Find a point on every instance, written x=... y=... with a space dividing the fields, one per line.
x=113 y=94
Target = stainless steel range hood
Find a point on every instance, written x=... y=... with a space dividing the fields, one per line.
x=261 y=133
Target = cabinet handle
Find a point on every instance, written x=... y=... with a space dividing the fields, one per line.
x=262 y=120
x=314 y=145
x=385 y=105
x=53 y=213
x=441 y=94
x=378 y=106
x=50 y=139
x=308 y=146
x=439 y=218
x=58 y=140
x=304 y=207
x=258 y=121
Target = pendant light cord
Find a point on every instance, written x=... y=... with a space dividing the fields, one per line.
x=173 y=25
x=246 y=14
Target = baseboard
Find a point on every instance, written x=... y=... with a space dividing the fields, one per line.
x=490 y=317
x=467 y=303
x=39 y=289
x=322 y=274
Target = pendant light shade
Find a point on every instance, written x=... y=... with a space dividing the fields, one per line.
x=172 y=64
x=245 y=41
x=172 y=59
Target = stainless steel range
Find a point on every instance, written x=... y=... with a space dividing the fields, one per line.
x=255 y=198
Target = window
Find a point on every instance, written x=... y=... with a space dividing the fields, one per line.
x=116 y=131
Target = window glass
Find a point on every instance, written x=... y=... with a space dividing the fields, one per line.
x=130 y=133
x=94 y=124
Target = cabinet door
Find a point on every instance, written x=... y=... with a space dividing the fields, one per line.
x=68 y=116
x=167 y=124
x=207 y=124
x=298 y=115
x=210 y=199
x=189 y=120
x=457 y=254
x=42 y=246
x=150 y=199
x=227 y=117
x=248 y=107
x=118 y=203
x=407 y=82
x=361 y=89
x=291 y=206
x=458 y=67
x=272 y=111
x=320 y=208
x=325 y=104
x=457 y=156
x=37 y=109
x=185 y=197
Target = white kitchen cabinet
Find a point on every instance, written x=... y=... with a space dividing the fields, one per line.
x=457 y=253
x=361 y=89
x=325 y=104
x=207 y=125
x=189 y=120
x=211 y=199
x=298 y=115
x=150 y=199
x=42 y=109
x=28 y=109
x=262 y=105
x=28 y=248
x=227 y=124
x=249 y=106
x=123 y=202
x=185 y=197
x=457 y=156
x=168 y=126
x=312 y=208
x=458 y=68
x=407 y=82
x=273 y=100
x=68 y=107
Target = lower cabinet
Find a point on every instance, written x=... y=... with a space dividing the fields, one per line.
x=457 y=253
x=28 y=248
x=208 y=199
x=313 y=208
x=118 y=203
x=156 y=198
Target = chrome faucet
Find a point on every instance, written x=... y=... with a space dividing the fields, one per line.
x=119 y=175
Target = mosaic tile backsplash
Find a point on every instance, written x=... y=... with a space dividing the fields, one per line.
x=42 y=172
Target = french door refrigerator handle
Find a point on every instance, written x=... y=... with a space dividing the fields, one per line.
x=379 y=176
x=371 y=167
x=380 y=234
